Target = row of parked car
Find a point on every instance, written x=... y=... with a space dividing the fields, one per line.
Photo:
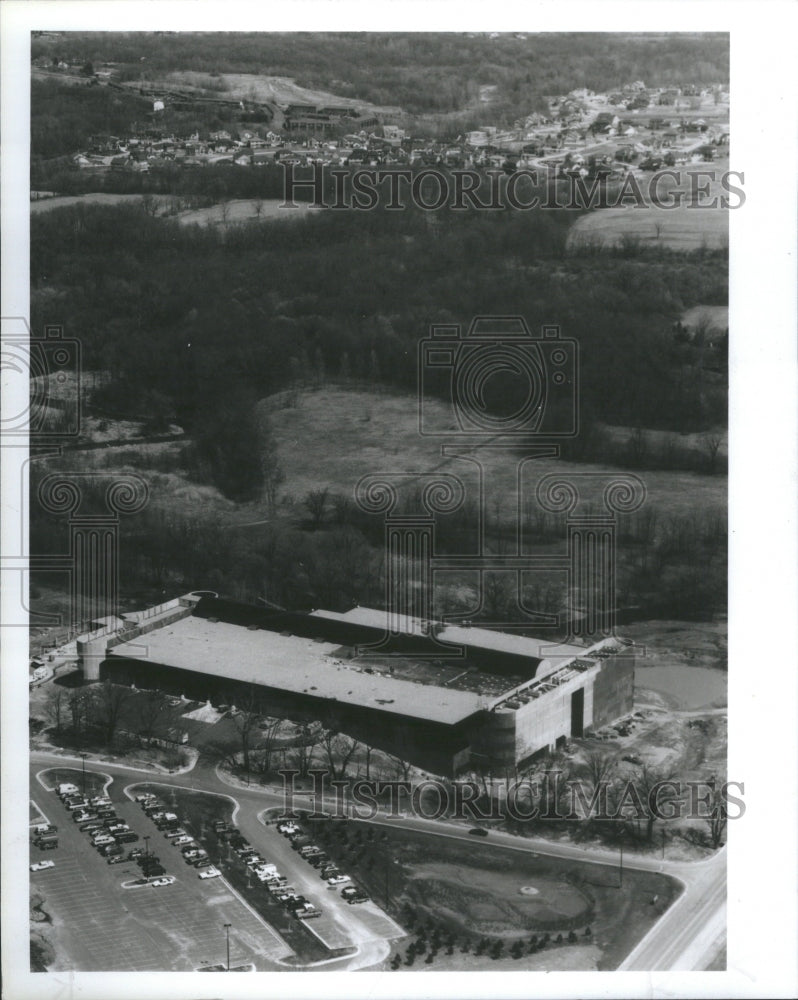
x=170 y=825
x=266 y=872
x=98 y=818
x=319 y=860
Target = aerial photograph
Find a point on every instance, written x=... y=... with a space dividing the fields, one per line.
x=378 y=501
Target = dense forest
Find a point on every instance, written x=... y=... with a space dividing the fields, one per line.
x=193 y=320
x=419 y=72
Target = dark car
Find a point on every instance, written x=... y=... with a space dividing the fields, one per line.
x=477 y=831
x=111 y=851
x=202 y=863
x=126 y=837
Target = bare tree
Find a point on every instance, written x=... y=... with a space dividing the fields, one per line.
x=150 y=204
x=316 y=503
x=153 y=711
x=304 y=750
x=267 y=745
x=55 y=707
x=245 y=720
x=339 y=750
x=257 y=204
x=647 y=794
x=711 y=444
x=717 y=818
x=77 y=703
x=108 y=704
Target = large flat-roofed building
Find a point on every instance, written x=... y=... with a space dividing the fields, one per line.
x=444 y=697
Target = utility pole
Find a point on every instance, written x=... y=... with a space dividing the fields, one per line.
x=227 y=928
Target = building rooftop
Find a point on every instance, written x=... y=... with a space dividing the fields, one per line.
x=300 y=665
x=543 y=652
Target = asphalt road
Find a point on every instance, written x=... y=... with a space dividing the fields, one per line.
x=689 y=935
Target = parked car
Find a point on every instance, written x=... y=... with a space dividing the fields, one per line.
x=336 y=880
x=168 y=880
x=91 y=826
x=39 y=866
x=126 y=837
x=112 y=851
x=45 y=828
x=117 y=859
x=202 y=862
x=137 y=852
x=174 y=834
x=287 y=828
x=181 y=841
x=210 y=872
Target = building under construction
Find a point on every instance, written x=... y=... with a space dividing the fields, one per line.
x=444 y=697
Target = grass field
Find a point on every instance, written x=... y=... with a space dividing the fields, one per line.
x=377 y=432
x=241 y=210
x=95 y=198
x=682 y=228
x=686 y=227
x=473 y=891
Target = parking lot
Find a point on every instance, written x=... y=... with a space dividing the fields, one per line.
x=102 y=926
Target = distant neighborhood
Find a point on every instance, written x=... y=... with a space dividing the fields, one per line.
x=634 y=128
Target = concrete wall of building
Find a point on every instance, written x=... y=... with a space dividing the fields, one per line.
x=614 y=690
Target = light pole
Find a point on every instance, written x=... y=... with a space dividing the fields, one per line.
x=83 y=757
x=146 y=848
x=227 y=928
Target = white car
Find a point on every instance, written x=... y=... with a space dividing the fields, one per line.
x=210 y=873
x=335 y=880
x=39 y=866
x=165 y=880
